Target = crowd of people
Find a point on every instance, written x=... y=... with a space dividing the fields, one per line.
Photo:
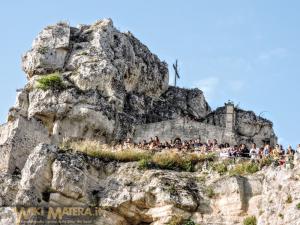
x=224 y=150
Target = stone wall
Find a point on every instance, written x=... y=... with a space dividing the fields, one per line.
x=182 y=127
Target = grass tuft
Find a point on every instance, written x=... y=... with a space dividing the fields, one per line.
x=98 y=150
x=51 y=81
x=244 y=168
x=146 y=160
x=221 y=168
x=251 y=220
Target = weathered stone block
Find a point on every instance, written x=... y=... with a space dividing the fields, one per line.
x=17 y=140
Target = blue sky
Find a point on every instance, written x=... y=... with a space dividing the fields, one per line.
x=246 y=51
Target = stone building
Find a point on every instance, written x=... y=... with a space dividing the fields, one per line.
x=226 y=131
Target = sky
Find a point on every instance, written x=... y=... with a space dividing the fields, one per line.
x=246 y=51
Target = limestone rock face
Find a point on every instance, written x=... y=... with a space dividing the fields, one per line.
x=8 y=188
x=248 y=128
x=129 y=195
x=36 y=176
x=71 y=114
x=17 y=139
x=111 y=82
x=99 y=57
x=49 y=50
x=174 y=103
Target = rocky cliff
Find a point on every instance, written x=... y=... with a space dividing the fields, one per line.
x=106 y=82
x=95 y=82
x=249 y=127
x=128 y=194
x=111 y=81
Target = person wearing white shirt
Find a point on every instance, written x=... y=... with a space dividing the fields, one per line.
x=254 y=151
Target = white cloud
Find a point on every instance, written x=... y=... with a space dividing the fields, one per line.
x=209 y=86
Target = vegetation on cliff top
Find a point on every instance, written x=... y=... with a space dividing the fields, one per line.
x=51 y=81
x=146 y=159
x=167 y=159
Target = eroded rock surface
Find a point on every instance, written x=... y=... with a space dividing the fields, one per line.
x=129 y=195
x=98 y=57
x=17 y=139
x=248 y=128
x=110 y=83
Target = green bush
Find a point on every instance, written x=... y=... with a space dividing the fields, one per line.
x=176 y=161
x=244 y=168
x=298 y=206
x=251 y=168
x=265 y=162
x=251 y=220
x=221 y=168
x=189 y=222
x=144 y=164
x=50 y=82
x=188 y=166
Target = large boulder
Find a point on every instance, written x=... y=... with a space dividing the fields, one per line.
x=179 y=102
x=17 y=139
x=36 y=176
x=72 y=114
x=49 y=50
x=174 y=103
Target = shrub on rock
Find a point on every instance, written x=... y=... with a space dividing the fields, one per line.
x=50 y=82
x=251 y=220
